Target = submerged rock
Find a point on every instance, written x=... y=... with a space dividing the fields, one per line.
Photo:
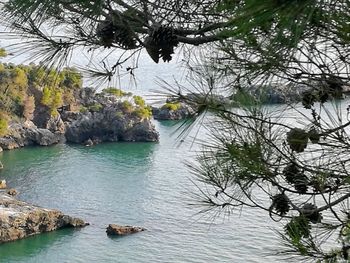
x=117 y=230
x=19 y=219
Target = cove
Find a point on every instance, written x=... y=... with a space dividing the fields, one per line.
x=144 y=184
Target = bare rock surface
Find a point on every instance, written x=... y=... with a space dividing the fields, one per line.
x=118 y=230
x=19 y=219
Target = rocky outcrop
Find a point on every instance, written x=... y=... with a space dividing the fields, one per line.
x=19 y=219
x=166 y=113
x=106 y=125
x=102 y=117
x=117 y=230
x=106 y=119
x=44 y=120
x=23 y=134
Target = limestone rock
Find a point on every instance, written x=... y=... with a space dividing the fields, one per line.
x=7 y=143
x=44 y=120
x=106 y=125
x=19 y=219
x=163 y=113
x=26 y=133
x=12 y=192
x=143 y=131
x=3 y=184
x=42 y=137
x=117 y=230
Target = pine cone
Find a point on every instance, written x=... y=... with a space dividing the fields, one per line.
x=309 y=211
x=290 y=172
x=297 y=139
x=161 y=43
x=280 y=204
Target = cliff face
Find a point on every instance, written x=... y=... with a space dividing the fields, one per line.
x=106 y=118
x=106 y=125
x=19 y=219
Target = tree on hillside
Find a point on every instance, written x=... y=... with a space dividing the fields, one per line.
x=294 y=164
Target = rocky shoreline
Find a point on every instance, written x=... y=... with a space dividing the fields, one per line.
x=100 y=118
x=19 y=219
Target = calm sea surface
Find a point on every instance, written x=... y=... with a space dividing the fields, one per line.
x=143 y=184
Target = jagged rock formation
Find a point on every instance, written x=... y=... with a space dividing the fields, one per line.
x=19 y=219
x=106 y=119
x=24 y=134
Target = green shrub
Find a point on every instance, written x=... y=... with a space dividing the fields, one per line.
x=83 y=109
x=57 y=100
x=3 y=53
x=143 y=113
x=172 y=106
x=139 y=101
x=127 y=106
x=19 y=77
x=115 y=91
x=3 y=126
x=95 y=107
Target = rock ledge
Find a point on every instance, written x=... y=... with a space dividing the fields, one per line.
x=19 y=219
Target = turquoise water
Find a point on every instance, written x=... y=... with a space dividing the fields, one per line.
x=143 y=184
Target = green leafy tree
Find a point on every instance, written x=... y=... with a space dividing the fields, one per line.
x=71 y=79
x=57 y=102
x=47 y=96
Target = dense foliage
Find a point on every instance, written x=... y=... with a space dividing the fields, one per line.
x=22 y=87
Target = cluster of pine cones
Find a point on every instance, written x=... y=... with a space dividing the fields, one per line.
x=330 y=88
x=160 y=43
x=110 y=32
